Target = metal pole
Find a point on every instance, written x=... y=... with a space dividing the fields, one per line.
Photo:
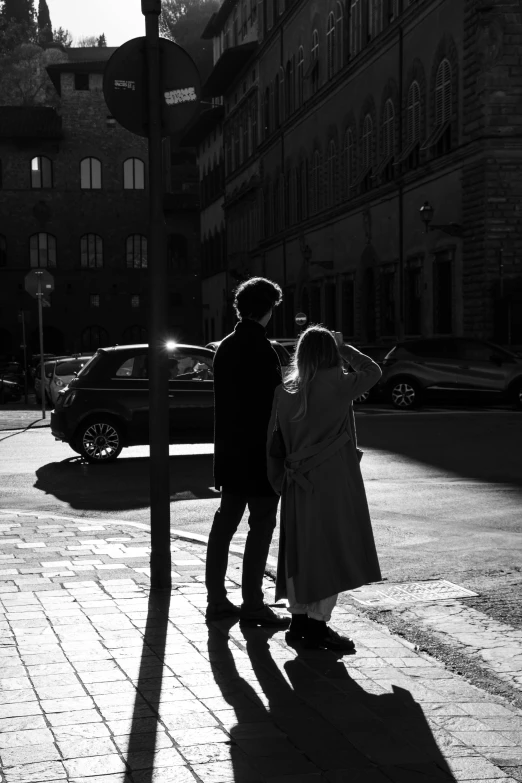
x=26 y=380
x=40 y=329
x=160 y=559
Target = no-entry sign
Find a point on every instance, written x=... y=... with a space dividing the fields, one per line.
x=301 y=319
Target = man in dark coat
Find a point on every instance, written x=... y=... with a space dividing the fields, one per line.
x=246 y=374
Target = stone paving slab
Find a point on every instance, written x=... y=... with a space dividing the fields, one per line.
x=103 y=680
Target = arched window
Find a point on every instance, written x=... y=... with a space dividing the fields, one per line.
x=41 y=172
x=314 y=73
x=355 y=27
x=348 y=162
x=94 y=337
x=253 y=126
x=388 y=129
x=332 y=174
x=133 y=174
x=136 y=252
x=277 y=102
x=300 y=76
x=330 y=45
x=367 y=143
x=3 y=251
x=91 y=251
x=90 y=174
x=42 y=250
x=339 y=36
x=443 y=93
x=413 y=113
x=376 y=19
x=316 y=182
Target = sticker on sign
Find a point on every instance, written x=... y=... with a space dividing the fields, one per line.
x=186 y=95
x=122 y=84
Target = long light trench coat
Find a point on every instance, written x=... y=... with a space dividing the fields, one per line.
x=326 y=539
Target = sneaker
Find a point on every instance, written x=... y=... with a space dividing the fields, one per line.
x=264 y=616
x=221 y=610
x=330 y=640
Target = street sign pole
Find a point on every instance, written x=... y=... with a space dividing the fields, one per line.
x=160 y=559
x=39 y=296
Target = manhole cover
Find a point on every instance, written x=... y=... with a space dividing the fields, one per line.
x=409 y=592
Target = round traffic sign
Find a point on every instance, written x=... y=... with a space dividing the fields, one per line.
x=37 y=277
x=125 y=86
x=301 y=319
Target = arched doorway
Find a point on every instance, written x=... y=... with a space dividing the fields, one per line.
x=94 y=337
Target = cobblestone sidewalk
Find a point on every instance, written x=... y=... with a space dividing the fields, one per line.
x=102 y=681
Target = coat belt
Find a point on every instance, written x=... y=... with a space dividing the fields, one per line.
x=303 y=461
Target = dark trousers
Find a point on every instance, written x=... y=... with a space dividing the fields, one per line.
x=261 y=521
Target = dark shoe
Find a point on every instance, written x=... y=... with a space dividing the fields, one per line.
x=221 y=611
x=264 y=616
x=320 y=637
x=298 y=628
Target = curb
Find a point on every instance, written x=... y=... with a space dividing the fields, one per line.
x=182 y=535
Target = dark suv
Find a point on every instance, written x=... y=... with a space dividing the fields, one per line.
x=106 y=407
x=451 y=367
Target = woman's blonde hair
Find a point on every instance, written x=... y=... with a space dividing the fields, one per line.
x=316 y=349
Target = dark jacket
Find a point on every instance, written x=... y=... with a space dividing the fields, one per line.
x=246 y=374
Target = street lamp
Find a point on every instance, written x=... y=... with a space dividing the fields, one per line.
x=426 y=213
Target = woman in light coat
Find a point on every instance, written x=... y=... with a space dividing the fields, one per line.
x=326 y=541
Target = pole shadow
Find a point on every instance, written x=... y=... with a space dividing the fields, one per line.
x=305 y=716
x=141 y=748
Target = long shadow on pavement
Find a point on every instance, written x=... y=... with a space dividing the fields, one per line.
x=123 y=484
x=306 y=717
x=141 y=749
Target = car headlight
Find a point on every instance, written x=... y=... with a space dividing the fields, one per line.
x=68 y=399
x=59 y=383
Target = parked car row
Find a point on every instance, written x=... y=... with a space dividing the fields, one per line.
x=102 y=402
x=58 y=373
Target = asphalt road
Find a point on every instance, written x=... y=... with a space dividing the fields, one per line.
x=444 y=489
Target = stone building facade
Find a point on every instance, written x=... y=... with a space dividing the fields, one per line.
x=381 y=185
x=74 y=199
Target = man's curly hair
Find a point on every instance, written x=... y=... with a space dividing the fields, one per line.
x=255 y=297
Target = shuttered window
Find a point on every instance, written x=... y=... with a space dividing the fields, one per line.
x=443 y=93
x=388 y=129
x=413 y=113
x=330 y=45
x=367 y=142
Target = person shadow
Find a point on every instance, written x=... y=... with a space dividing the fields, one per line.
x=298 y=713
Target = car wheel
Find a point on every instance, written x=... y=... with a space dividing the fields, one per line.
x=365 y=396
x=99 y=440
x=404 y=394
x=517 y=396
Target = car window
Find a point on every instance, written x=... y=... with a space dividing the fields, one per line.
x=89 y=364
x=191 y=365
x=69 y=368
x=134 y=367
x=432 y=349
x=48 y=369
x=474 y=351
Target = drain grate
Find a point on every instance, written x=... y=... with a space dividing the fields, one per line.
x=408 y=593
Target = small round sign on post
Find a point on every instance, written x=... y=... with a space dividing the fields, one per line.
x=301 y=319
x=125 y=87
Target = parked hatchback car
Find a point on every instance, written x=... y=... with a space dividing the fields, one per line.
x=452 y=368
x=106 y=407
x=64 y=371
x=10 y=391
